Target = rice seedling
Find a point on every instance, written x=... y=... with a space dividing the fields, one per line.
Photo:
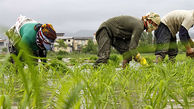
x=57 y=85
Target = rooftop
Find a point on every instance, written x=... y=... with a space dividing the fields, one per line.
x=60 y=34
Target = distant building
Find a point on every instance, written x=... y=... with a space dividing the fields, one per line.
x=73 y=43
x=68 y=41
x=60 y=34
x=80 y=42
x=3 y=44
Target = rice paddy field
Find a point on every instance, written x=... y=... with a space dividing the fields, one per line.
x=71 y=82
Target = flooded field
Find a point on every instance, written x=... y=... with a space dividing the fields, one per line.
x=74 y=83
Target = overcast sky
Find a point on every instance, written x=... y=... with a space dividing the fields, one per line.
x=75 y=15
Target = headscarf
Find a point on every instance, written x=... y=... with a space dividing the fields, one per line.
x=154 y=18
x=46 y=36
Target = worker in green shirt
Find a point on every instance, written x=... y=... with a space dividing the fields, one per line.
x=31 y=37
x=123 y=33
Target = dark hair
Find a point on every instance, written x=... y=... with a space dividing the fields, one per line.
x=37 y=27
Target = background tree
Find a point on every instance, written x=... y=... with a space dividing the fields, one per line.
x=146 y=39
x=90 y=47
x=146 y=44
x=61 y=44
x=4 y=50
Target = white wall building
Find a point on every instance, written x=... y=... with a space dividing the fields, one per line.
x=73 y=43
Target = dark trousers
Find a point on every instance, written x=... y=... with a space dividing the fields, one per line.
x=104 y=46
x=105 y=41
x=165 y=43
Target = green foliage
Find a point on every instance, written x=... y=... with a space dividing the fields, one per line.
x=59 y=66
x=60 y=52
x=146 y=39
x=74 y=61
x=146 y=43
x=51 y=53
x=5 y=102
x=93 y=58
x=115 y=59
x=61 y=44
x=4 y=49
x=55 y=85
x=59 y=57
x=90 y=48
x=146 y=49
x=181 y=47
x=13 y=36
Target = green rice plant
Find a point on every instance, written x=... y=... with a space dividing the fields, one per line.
x=57 y=85
x=59 y=57
x=58 y=66
x=114 y=59
x=99 y=85
x=93 y=58
x=69 y=95
x=5 y=102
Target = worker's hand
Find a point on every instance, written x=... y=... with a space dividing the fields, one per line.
x=189 y=50
x=125 y=62
x=190 y=53
x=191 y=43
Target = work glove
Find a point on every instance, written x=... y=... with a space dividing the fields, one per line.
x=141 y=60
